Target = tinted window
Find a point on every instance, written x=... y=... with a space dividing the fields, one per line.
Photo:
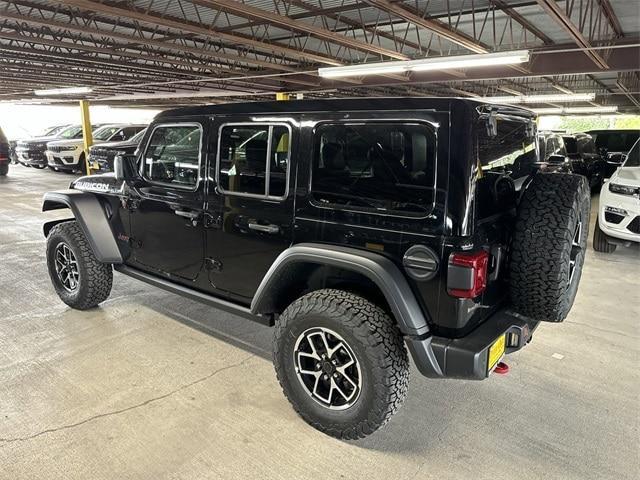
x=511 y=151
x=105 y=133
x=375 y=167
x=616 y=141
x=251 y=154
x=173 y=155
x=586 y=145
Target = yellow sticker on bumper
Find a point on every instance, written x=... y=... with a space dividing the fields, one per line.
x=496 y=351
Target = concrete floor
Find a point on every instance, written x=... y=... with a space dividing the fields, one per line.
x=152 y=386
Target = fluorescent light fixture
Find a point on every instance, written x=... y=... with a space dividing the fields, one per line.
x=552 y=98
x=427 y=64
x=63 y=91
x=575 y=110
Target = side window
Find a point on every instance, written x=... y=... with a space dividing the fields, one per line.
x=254 y=159
x=173 y=155
x=375 y=167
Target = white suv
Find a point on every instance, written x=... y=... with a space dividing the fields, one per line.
x=69 y=155
x=619 y=212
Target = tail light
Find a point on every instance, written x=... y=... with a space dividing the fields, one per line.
x=467 y=273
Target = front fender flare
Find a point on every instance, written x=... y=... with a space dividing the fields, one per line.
x=379 y=269
x=91 y=217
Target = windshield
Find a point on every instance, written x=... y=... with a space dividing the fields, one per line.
x=137 y=138
x=633 y=159
x=53 y=130
x=105 y=133
x=70 y=132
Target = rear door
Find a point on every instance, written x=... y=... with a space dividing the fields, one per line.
x=250 y=203
x=167 y=206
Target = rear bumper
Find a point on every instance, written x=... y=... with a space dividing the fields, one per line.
x=467 y=357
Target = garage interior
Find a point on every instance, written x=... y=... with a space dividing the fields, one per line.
x=152 y=385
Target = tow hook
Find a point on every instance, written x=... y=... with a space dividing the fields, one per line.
x=501 y=369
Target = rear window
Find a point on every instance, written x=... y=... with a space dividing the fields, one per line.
x=375 y=167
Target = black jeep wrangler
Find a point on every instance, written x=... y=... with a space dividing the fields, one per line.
x=360 y=228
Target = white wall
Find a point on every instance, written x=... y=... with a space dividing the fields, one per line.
x=20 y=121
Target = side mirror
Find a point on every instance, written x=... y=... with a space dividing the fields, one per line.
x=125 y=167
x=556 y=159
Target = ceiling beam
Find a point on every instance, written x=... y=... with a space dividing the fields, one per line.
x=511 y=12
x=607 y=9
x=555 y=11
x=436 y=26
x=70 y=27
x=191 y=27
x=247 y=11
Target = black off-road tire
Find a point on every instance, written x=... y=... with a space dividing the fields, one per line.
x=377 y=344
x=545 y=241
x=95 y=278
x=601 y=241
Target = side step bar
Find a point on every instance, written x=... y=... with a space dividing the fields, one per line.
x=193 y=294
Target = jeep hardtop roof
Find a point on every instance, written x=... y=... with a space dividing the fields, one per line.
x=343 y=105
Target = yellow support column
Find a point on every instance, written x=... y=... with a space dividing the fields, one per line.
x=87 y=135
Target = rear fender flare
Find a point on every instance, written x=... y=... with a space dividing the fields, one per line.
x=379 y=269
x=91 y=217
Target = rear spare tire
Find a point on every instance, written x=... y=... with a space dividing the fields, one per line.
x=548 y=245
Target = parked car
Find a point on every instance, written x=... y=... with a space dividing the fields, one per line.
x=68 y=155
x=585 y=159
x=101 y=156
x=4 y=154
x=553 y=152
x=613 y=145
x=30 y=152
x=359 y=227
x=618 y=220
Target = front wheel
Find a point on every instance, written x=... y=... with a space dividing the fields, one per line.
x=79 y=279
x=601 y=241
x=4 y=169
x=341 y=362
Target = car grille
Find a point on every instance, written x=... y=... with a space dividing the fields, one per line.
x=634 y=225
x=56 y=148
x=98 y=154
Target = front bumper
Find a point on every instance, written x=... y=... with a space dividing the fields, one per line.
x=467 y=357
x=31 y=157
x=63 y=160
x=623 y=227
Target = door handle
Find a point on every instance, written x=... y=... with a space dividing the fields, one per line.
x=187 y=214
x=271 y=228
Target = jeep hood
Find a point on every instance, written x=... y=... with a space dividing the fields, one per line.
x=627 y=176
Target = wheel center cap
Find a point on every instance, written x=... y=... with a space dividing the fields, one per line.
x=328 y=368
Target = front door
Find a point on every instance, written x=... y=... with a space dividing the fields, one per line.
x=252 y=203
x=168 y=204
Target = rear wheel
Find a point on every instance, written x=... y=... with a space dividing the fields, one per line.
x=548 y=245
x=601 y=241
x=341 y=362
x=80 y=280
